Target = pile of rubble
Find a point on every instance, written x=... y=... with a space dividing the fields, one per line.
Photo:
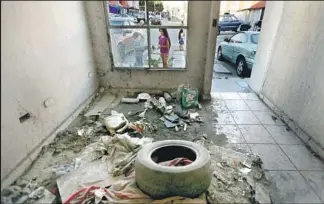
x=106 y=146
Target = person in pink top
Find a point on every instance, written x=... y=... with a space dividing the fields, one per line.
x=164 y=45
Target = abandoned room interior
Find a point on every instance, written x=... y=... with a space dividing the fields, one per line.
x=122 y=102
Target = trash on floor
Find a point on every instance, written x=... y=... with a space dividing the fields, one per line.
x=177 y=162
x=26 y=192
x=124 y=191
x=116 y=122
x=169 y=124
x=120 y=151
x=130 y=100
x=144 y=96
x=172 y=118
x=86 y=131
x=189 y=98
x=234 y=182
x=167 y=97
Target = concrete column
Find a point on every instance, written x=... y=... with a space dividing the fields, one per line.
x=211 y=47
x=270 y=27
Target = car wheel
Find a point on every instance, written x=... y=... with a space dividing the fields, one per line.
x=121 y=50
x=241 y=66
x=161 y=181
x=220 y=54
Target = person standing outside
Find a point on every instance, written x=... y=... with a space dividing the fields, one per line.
x=181 y=39
x=139 y=49
x=164 y=45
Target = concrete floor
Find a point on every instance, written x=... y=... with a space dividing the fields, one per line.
x=297 y=176
x=235 y=120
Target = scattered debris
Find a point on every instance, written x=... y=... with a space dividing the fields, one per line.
x=180 y=90
x=142 y=114
x=174 y=95
x=85 y=132
x=147 y=105
x=144 y=96
x=116 y=122
x=168 y=110
x=195 y=117
x=189 y=98
x=172 y=118
x=102 y=89
x=130 y=100
x=167 y=97
x=169 y=124
x=26 y=192
x=185 y=127
x=124 y=191
x=162 y=102
x=234 y=183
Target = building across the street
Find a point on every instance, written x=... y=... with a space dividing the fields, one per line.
x=122 y=6
x=252 y=14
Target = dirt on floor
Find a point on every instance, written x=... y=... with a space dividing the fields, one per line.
x=57 y=158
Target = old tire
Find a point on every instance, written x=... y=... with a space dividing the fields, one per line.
x=163 y=181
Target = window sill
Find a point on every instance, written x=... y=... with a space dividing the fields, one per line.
x=148 y=69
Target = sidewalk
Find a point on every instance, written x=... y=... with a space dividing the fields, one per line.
x=297 y=176
x=230 y=84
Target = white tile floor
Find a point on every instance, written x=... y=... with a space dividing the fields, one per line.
x=248 y=125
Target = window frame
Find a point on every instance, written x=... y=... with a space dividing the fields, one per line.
x=246 y=37
x=148 y=27
x=258 y=34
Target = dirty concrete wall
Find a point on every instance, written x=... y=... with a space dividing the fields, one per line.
x=294 y=77
x=198 y=19
x=271 y=21
x=45 y=53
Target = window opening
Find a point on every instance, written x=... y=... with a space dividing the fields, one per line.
x=148 y=34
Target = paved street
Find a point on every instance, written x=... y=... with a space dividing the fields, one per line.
x=227 y=82
x=226 y=64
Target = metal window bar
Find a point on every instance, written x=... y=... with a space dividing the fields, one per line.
x=148 y=27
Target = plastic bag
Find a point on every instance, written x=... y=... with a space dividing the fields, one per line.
x=189 y=98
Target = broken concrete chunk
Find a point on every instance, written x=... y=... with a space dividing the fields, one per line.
x=168 y=124
x=144 y=96
x=116 y=122
x=174 y=95
x=193 y=115
x=38 y=193
x=147 y=105
x=162 y=102
x=172 y=118
x=130 y=100
x=167 y=97
x=168 y=109
x=142 y=114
